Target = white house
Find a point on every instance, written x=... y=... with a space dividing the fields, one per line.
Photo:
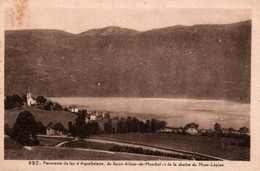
x=93 y=117
x=192 y=131
x=50 y=130
x=166 y=130
x=73 y=109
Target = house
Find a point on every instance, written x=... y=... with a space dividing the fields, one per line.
x=166 y=130
x=73 y=109
x=192 y=131
x=50 y=130
x=30 y=100
x=87 y=118
x=93 y=117
x=177 y=130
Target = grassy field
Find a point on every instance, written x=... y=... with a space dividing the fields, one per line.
x=215 y=146
x=41 y=115
x=44 y=141
x=41 y=153
x=88 y=145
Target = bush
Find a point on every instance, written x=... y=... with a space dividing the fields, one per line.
x=59 y=127
x=48 y=105
x=41 y=129
x=57 y=107
x=13 y=101
x=40 y=100
x=140 y=150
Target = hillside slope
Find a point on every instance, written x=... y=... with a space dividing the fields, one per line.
x=43 y=116
x=201 y=61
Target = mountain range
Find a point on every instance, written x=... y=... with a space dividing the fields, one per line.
x=200 y=61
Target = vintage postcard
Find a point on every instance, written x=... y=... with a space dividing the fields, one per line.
x=121 y=85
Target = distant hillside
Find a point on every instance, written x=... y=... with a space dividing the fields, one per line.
x=201 y=61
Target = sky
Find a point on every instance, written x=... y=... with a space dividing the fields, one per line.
x=79 y=20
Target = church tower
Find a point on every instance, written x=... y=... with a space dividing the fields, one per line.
x=30 y=100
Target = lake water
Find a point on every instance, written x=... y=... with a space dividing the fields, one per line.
x=176 y=112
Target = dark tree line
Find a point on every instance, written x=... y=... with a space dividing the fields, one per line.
x=41 y=103
x=134 y=125
x=81 y=129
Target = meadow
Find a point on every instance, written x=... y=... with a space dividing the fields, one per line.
x=40 y=115
x=215 y=146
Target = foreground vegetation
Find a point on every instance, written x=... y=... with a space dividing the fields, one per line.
x=139 y=150
x=132 y=149
x=222 y=147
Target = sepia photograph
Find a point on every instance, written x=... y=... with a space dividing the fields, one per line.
x=127 y=84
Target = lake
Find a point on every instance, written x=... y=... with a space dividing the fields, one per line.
x=176 y=112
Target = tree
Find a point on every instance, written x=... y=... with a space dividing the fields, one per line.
x=217 y=127
x=73 y=129
x=17 y=101
x=243 y=130
x=57 y=107
x=108 y=126
x=135 y=125
x=41 y=129
x=161 y=125
x=147 y=126
x=141 y=126
x=153 y=125
x=40 y=100
x=128 y=125
x=83 y=130
x=13 y=101
x=48 y=105
x=9 y=103
x=80 y=128
x=231 y=129
x=59 y=127
x=93 y=127
x=25 y=129
x=121 y=125
x=107 y=115
x=24 y=97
